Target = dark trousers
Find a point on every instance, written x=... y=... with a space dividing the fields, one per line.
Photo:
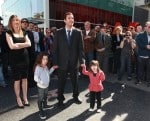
x=42 y=98
x=116 y=62
x=62 y=76
x=89 y=57
x=143 y=69
x=5 y=66
x=93 y=96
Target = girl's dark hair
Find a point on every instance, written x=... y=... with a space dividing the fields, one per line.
x=39 y=60
x=94 y=63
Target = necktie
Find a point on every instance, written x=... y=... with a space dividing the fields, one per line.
x=103 y=39
x=68 y=37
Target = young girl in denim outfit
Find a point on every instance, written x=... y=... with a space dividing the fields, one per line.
x=41 y=76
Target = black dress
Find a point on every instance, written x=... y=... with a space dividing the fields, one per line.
x=18 y=59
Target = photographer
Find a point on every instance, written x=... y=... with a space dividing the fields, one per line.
x=127 y=46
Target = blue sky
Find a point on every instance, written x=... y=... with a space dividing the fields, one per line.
x=1 y=1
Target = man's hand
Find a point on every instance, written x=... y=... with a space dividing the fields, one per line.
x=83 y=65
x=101 y=50
x=87 y=37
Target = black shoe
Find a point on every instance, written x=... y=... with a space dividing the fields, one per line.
x=20 y=107
x=60 y=104
x=129 y=78
x=26 y=104
x=42 y=115
x=138 y=82
x=77 y=100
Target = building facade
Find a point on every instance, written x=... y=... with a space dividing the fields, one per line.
x=22 y=8
x=95 y=11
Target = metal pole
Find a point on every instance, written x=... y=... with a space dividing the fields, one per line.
x=46 y=14
x=133 y=12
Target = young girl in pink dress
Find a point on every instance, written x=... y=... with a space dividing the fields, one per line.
x=96 y=76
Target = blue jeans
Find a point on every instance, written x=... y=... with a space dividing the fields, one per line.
x=125 y=62
x=89 y=57
x=42 y=97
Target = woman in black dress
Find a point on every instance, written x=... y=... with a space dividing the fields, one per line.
x=18 y=42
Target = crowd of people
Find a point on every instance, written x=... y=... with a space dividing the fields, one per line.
x=27 y=53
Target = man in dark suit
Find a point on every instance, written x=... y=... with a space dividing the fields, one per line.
x=4 y=54
x=31 y=51
x=143 y=44
x=68 y=51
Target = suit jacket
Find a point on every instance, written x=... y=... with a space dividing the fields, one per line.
x=31 y=50
x=3 y=43
x=106 y=44
x=65 y=54
x=41 y=41
x=89 y=43
x=142 y=41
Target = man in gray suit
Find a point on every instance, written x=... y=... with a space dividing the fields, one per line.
x=103 y=47
x=68 y=51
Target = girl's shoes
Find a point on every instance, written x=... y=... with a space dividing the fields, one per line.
x=98 y=110
x=91 y=109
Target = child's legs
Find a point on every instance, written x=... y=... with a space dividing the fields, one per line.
x=92 y=99
x=98 y=97
x=45 y=96
x=40 y=98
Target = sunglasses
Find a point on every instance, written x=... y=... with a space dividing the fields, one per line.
x=24 y=22
x=128 y=35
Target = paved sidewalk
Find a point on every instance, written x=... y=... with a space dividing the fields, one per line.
x=121 y=101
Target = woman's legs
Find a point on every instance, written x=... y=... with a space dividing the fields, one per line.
x=24 y=90
x=17 y=92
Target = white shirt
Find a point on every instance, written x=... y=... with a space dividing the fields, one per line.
x=118 y=38
x=36 y=41
x=87 y=32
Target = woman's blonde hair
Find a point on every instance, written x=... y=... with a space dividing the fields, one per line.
x=10 y=24
x=117 y=28
x=94 y=63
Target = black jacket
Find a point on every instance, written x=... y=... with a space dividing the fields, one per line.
x=65 y=54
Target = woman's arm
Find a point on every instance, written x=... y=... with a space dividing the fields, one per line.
x=133 y=43
x=13 y=45
x=27 y=43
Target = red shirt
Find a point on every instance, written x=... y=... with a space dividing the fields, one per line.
x=95 y=80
